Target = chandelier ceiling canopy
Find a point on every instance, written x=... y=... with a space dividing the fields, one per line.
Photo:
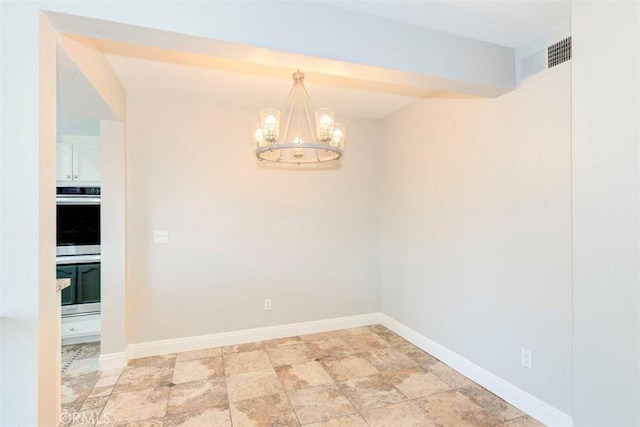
x=297 y=133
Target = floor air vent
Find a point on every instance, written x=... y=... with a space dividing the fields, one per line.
x=559 y=52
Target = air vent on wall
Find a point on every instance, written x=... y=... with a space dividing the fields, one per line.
x=545 y=56
x=559 y=52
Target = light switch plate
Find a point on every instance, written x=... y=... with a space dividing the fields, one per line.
x=161 y=236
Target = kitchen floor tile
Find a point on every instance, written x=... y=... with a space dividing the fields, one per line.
x=265 y=411
x=247 y=361
x=416 y=382
x=316 y=404
x=405 y=414
x=371 y=392
x=289 y=354
x=240 y=348
x=253 y=384
x=353 y=420
x=217 y=416
x=333 y=347
x=366 y=341
x=450 y=376
x=76 y=389
x=389 y=359
x=414 y=353
x=152 y=360
x=453 y=409
x=525 y=421
x=198 y=369
x=144 y=377
x=303 y=375
x=195 y=395
x=491 y=403
x=81 y=367
x=348 y=367
x=136 y=405
x=280 y=342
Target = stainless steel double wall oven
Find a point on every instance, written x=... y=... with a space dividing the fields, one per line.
x=78 y=248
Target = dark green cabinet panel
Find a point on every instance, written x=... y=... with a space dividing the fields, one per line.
x=89 y=283
x=69 y=293
x=85 y=283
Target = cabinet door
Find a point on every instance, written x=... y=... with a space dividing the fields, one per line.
x=86 y=162
x=64 y=162
x=88 y=283
x=68 y=272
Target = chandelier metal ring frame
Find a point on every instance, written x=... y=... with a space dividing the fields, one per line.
x=303 y=140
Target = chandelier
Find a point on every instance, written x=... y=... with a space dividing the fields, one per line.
x=297 y=133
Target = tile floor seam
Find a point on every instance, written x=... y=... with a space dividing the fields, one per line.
x=353 y=404
x=104 y=406
x=226 y=384
x=292 y=408
x=348 y=398
x=166 y=406
x=284 y=390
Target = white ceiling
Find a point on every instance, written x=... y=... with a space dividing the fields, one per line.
x=77 y=100
x=508 y=23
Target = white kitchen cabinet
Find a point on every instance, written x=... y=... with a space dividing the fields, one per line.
x=78 y=160
x=64 y=162
x=86 y=162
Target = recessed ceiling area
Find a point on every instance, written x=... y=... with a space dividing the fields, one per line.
x=79 y=106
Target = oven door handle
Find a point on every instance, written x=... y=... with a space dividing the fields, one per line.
x=77 y=259
x=77 y=200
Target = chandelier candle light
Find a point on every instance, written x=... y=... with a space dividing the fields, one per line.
x=291 y=135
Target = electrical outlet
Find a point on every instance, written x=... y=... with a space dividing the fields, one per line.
x=525 y=358
x=267 y=304
x=161 y=236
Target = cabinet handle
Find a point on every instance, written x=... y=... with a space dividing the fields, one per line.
x=75 y=176
x=68 y=176
x=72 y=329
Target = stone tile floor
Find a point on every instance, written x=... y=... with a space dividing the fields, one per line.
x=365 y=376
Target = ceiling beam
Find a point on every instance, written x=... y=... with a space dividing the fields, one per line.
x=316 y=37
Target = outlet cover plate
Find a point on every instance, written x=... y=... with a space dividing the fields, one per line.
x=161 y=236
x=525 y=358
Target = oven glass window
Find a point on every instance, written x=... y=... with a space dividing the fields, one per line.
x=78 y=225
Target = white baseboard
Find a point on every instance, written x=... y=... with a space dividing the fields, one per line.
x=112 y=361
x=519 y=398
x=154 y=348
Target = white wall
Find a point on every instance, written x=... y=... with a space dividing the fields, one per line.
x=476 y=229
x=113 y=239
x=27 y=268
x=606 y=133
x=240 y=232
